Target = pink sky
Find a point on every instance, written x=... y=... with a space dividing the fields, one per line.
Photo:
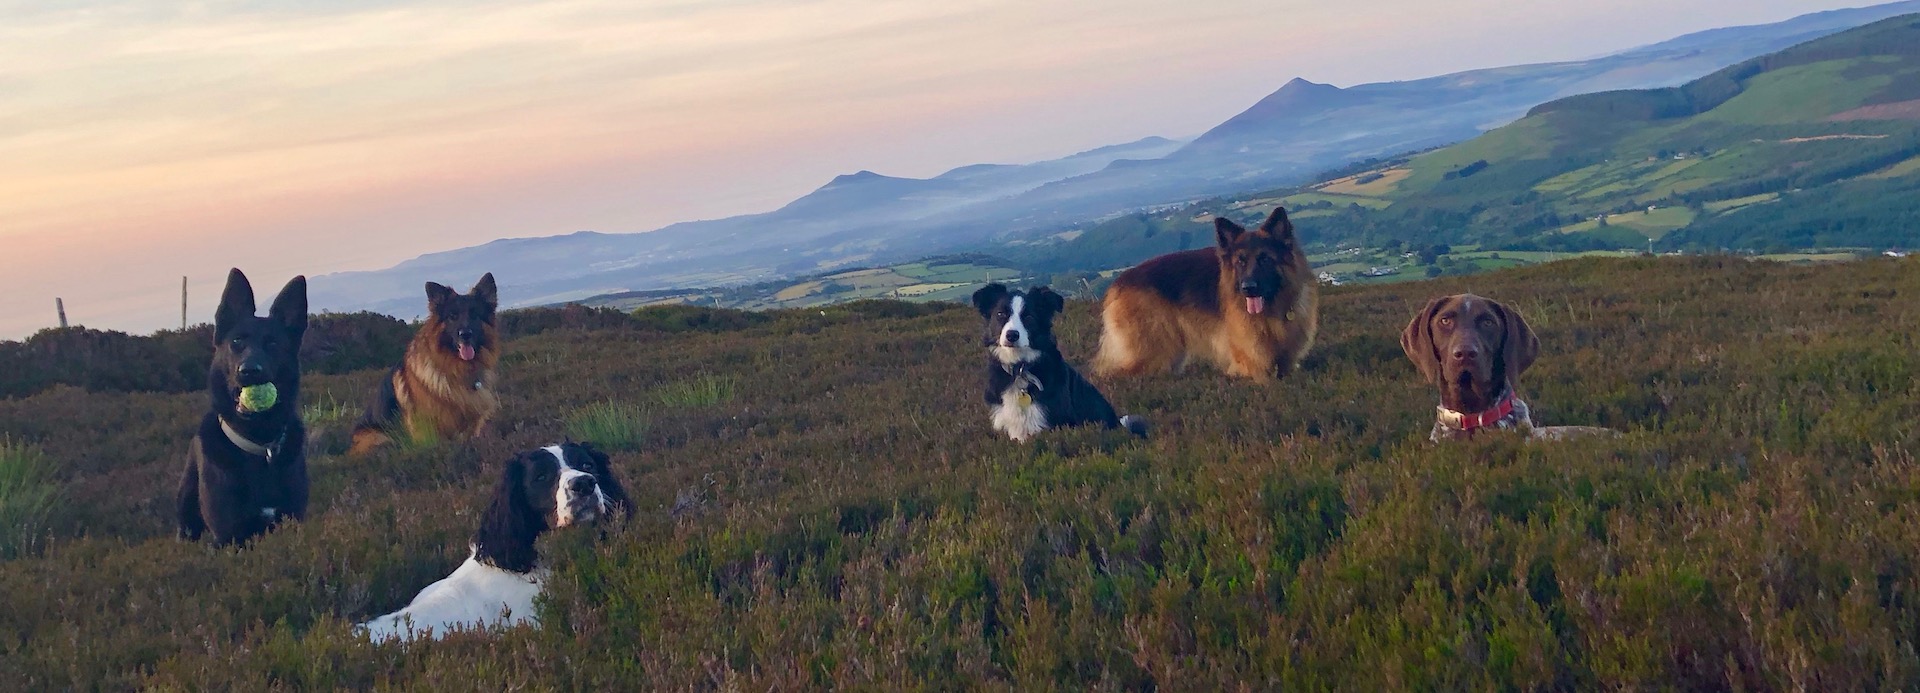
x=144 y=141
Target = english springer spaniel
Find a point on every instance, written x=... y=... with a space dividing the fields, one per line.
x=1030 y=387
x=555 y=486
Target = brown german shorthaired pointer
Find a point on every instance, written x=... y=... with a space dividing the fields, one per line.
x=1474 y=349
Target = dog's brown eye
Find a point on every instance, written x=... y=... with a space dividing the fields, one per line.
x=237 y=344
x=1446 y=322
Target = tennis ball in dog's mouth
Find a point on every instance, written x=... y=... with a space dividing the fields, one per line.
x=258 y=398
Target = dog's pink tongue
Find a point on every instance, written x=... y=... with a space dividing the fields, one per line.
x=466 y=352
x=1256 y=305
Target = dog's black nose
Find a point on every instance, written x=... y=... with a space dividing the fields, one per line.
x=252 y=372
x=1249 y=288
x=581 y=485
x=1013 y=336
x=464 y=335
x=1466 y=353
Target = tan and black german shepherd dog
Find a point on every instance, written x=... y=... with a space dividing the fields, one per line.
x=443 y=389
x=1249 y=306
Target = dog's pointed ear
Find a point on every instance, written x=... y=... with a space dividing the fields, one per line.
x=987 y=297
x=1417 y=341
x=437 y=294
x=486 y=291
x=1044 y=296
x=290 y=307
x=508 y=526
x=1277 y=224
x=236 y=303
x=1225 y=231
x=1519 y=345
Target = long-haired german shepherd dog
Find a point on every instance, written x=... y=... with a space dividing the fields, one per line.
x=443 y=388
x=1250 y=306
x=247 y=468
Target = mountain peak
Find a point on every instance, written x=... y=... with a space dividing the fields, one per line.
x=855 y=177
x=1300 y=88
x=1295 y=99
x=860 y=177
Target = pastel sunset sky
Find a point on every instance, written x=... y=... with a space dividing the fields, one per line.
x=143 y=141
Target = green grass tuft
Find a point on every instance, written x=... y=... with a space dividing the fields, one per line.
x=611 y=425
x=705 y=390
x=27 y=495
x=325 y=412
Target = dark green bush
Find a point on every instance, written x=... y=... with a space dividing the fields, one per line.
x=176 y=360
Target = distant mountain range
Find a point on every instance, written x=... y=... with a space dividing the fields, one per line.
x=1812 y=148
x=865 y=217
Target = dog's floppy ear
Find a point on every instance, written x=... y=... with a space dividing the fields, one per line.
x=1043 y=296
x=236 y=304
x=1417 y=341
x=290 y=307
x=437 y=294
x=486 y=291
x=987 y=297
x=508 y=526
x=1277 y=224
x=604 y=477
x=1225 y=231
x=1519 y=346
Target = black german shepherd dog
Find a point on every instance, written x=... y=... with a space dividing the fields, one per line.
x=247 y=470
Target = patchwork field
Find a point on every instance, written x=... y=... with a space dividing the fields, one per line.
x=926 y=280
x=820 y=504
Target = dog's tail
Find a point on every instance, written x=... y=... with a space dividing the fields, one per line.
x=381 y=416
x=1134 y=425
x=192 y=524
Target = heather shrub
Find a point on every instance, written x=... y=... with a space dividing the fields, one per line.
x=843 y=517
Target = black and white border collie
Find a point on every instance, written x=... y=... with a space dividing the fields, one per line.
x=1029 y=386
x=553 y=487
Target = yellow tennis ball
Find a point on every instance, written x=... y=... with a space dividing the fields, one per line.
x=258 y=398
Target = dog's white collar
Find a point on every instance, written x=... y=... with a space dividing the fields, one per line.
x=247 y=445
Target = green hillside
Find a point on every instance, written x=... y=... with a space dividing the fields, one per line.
x=1817 y=146
x=820 y=504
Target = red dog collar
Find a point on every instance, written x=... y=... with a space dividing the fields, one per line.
x=1468 y=422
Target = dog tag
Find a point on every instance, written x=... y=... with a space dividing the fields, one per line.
x=1025 y=400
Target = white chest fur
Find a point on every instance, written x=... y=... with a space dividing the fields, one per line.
x=1019 y=421
x=475 y=595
